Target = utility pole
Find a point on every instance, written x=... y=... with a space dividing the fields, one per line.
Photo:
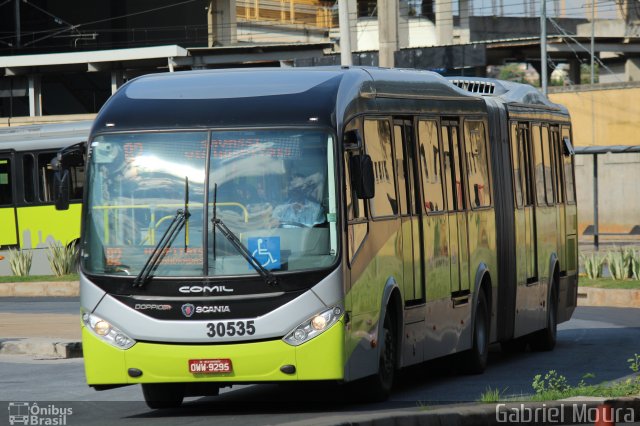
x=543 y=47
x=596 y=224
x=345 y=33
x=593 y=39
x=18 y=29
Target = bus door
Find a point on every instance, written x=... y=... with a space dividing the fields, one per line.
x=525 y=228
x=409 y=216
x=457 y=205
x=9 y=234
x=571 y=214
x=558 y=183
x=527 y=233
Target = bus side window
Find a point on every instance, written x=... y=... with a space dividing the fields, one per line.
x=46 y=173
x=477 y=165
x=568 y=170
x=355 y=205
x=546 y=159
x=6 y=194
x=357 y=225
x=556 y=152
x=524 y=147
x=429 y=158
x=77 y=182
x=448 y=165
x=538 y=165
x=515 y=164
x=453 y=161
x=377 y=136
x=28 y=170
x=45 y=176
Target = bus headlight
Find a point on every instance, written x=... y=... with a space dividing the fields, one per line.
x=107 y=331
x=313 y=327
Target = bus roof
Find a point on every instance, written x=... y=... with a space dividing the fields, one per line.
x=508 y=92
x=262 y=96
x=44 y=136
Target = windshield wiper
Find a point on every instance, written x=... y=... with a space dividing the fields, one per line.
x=161 y=249
x=267 y=276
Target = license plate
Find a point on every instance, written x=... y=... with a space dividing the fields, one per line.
x=210 y=366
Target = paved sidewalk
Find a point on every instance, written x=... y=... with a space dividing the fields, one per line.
x=44 y=335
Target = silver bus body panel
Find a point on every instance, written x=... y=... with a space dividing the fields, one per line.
x=90 y=294
x=273 y=325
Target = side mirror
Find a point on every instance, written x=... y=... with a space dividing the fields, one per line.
x=362 y=176
x=61 y=189
x=351 y=140
x=568 y=147
x=71 y=156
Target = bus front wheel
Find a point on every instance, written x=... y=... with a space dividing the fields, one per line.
x=377 y=388
x=163 y=395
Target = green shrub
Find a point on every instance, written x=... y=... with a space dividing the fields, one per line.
x=552 y=382
x=634 y=264
x=20 y=262
x=593 y=265
x=618 y=265
x=63 y=260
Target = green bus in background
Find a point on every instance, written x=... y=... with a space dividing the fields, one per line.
x=320 y=224
x=28 y=217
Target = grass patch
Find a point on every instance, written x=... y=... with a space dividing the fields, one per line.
x=491 y=396
x=627 y=387
x=617 y=390
x=37 y=278
x=553 y=386
x=608 y=283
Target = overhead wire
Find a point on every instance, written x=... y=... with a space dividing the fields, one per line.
x=473 y=8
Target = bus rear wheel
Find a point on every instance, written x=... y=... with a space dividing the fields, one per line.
x=163 y=395
x=545 y=339
x=475 y=359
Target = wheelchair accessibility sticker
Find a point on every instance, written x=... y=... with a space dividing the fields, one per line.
x=266 y=250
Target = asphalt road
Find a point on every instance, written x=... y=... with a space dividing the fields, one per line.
x=40 y=305
x=596 y=340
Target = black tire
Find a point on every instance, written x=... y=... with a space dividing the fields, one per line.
x=377 y=388
x=474 y=361
x=545 y=339
x=163 y=395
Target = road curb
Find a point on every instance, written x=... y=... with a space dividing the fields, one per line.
x=616 y=298
x=43 y=347
x=40 y=289
x=564 y=412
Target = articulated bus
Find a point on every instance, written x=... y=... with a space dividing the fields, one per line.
x=322 y=224
x=27 y=212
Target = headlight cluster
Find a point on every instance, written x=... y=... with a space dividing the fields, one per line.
x=107 y=331
x=313 y=326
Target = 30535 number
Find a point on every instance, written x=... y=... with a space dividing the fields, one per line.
x=231 y=328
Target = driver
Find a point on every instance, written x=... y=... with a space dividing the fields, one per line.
x=301 y=207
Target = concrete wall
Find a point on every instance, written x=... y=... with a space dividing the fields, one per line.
x=606 y=116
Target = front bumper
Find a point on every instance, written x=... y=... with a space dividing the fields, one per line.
x=321 y=358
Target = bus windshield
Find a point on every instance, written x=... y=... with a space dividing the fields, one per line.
x=272 y=189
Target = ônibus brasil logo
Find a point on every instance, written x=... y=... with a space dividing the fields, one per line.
x=30 y=413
